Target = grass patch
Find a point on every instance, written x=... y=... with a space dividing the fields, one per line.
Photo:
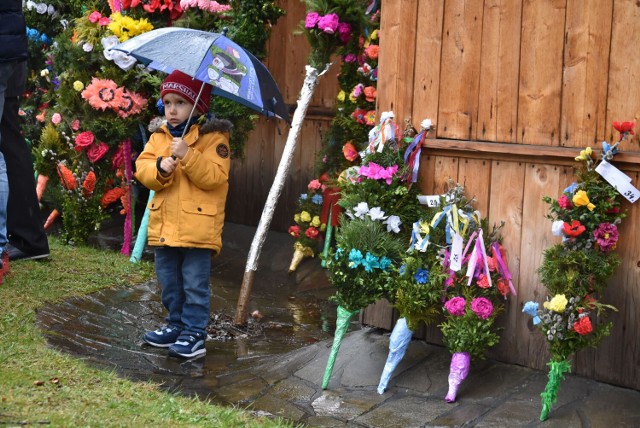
x=39 y=385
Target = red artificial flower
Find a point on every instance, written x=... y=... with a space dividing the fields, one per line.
x=583 y=326
x=95 y=152
x=84 y=140
x=294 y=231
x=565 y=203
x=574 y=229
x=111 y=195
x=503 y=287
x=312 y=232
x=624 y=127
x=89 y=184
x=483 y=281
x=359 y=115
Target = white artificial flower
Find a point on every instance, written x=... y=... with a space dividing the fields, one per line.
x=361 y=210
x=44 y=72
x=51 y=10
x=64 y=23
x=41 y=8
x=386 y=115
x=376 y=213
x=87 y=47
x=557 y=228
x=393 y=224
x=30 y=5
x=426 y=124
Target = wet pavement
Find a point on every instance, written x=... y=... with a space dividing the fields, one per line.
x=280 y=370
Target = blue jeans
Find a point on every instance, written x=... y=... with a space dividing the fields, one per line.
x=184 y=275
x=6 y=70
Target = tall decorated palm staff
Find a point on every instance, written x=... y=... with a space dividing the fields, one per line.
x=575 y=272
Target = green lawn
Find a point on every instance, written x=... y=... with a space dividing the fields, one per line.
x=39 y=385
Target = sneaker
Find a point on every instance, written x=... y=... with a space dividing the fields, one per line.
x=162 y=337
x=188 y=345
x=17 y=254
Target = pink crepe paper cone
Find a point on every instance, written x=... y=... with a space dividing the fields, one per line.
x=458 y=371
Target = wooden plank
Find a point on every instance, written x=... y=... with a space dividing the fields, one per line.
x=540 y=72
x=379 y=314
x=499 y=70
x=427 y=63
x=618 y=356
x=586 y=63
x=397 y=58
x=475 y=175
x=445 y=168
x=507 y=199
x=536 y=235
x=460 y=62
x=623 y=102
x=426 y=173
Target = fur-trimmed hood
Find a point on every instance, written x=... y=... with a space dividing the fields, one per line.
x=216 y=125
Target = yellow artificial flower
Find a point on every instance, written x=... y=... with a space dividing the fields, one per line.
x=305 y=216
x=584 y=154
x=374 y=35
x=296 y=218
x=341 y=96
x=78 y=85
x=581 y=199
x=323 y=227
x=315 y=222
x=557 y=304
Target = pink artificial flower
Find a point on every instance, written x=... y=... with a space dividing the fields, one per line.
x=294 y=231
x=564 y=202
x=314 y=184
x=95 y=17
x=56 y=118
x=606 y=236
x=311 y=20
x=349 y=151
x=75 y=125
x=84 y=140
x=344 y=32
x=482 y=307
x=312 y=232
x=455 y=306
x=118 y=158
x=483 y=281
x=95 y=152
x=350 y=58
x=328 y=23
x=104 y=21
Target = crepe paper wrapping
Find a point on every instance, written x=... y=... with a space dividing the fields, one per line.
x=327 y=240
x=342 y=325
x=329 y=214
x=557 y=369
x=398 y=344
x=141 y=238
x=126 y=153
x=458 y=371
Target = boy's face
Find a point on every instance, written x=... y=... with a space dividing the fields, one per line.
x=176 y=108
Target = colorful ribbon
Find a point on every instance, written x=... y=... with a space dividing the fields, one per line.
x=412 y=155
x=502 y=266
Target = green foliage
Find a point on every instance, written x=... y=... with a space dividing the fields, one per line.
x=469 y=333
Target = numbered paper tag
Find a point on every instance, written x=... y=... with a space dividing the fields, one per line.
x=429 y=200
x=455 y=259
x=619 y=180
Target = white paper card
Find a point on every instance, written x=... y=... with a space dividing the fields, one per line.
x=619 y=180
x=429 y=200
x=455 y=259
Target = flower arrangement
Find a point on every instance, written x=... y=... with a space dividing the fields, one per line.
x=575 y=272
x=308 y=227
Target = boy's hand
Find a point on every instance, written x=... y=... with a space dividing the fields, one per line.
x=179 y=147
x=168 y=165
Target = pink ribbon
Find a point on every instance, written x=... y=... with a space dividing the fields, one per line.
x=502 y=266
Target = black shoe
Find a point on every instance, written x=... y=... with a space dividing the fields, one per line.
x=17 y=254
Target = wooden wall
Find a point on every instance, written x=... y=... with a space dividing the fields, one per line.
x=516 y=89
x=251 y=177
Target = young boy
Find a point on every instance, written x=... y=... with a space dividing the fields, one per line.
x=186 y=215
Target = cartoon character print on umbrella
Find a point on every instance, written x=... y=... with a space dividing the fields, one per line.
x=226 y=71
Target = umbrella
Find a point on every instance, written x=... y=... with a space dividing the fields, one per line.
x=212 y=58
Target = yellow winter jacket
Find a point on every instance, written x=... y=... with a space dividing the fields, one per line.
x=187 y=209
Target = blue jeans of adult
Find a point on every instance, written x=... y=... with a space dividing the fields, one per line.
x=184 y=277
x=6 y=70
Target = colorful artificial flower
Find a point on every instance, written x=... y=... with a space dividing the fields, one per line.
x=455 y=306
x=95 y=152
x=305 y=216
x=111 y=196
x=125 y=27
x=311 y=20
x=421 y=276
x=312 y=232
x=344 y=32
x=328 y=23
x=564 y=202
x=56 y=119
x=131 y=104
x=573 y=229
x=89 y=184
x=482 y=307
x=581 y=199
x=606 y=236
x=294 y=231
x=372 y=51
x=78 y=86
x=349 y=151
x=84 y=140
x=583 y=326
x=67 y=179
x=624 y=128
x=557 y=304
x=102 y=94
x=359 y=115
x=370 y=118
x=483 y=281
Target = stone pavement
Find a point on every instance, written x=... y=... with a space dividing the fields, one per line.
x=281 y=372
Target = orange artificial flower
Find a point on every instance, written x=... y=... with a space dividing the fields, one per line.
x=372 y=51
x=370 y=93
x=67 y=178
x=89 y=184
x=111 y=195
x=350 y=152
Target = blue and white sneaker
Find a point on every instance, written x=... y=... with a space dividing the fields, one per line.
x=188 y=345
x=162 y=337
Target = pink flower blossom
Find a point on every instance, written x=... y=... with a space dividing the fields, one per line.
x=350 y=58
x=482 y=307
x=455 y=306
x=56 y=119
x=328 y=23
x=75 y=125
x=344 y=32
x=84 y=140
x=606 y=235
x=311 y=20
x=314 y=184
x=564 y=202
x=95 y=152
x=95 y=17
x=104 y=21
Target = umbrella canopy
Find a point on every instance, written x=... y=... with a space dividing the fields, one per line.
x=212 y=58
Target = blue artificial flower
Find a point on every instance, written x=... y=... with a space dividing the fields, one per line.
x=531 y=308
x=385 y=262
x=402 y=269
x=370 y=262
x=303 y=196
x=56 y=83
x=421 y=276
x=571 y=189
x=339 y=253
x=45 y=39
x=608 y=150
x=33 y=34
x=316 y=199
x=160 y=107
x=355 y=258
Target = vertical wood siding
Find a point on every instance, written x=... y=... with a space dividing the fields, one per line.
x=515 y=89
